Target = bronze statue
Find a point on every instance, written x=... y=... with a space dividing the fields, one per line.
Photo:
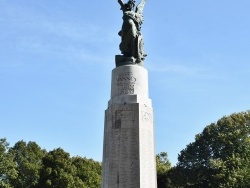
x=132 y=45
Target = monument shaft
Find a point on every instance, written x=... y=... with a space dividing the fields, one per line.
x=128 y=150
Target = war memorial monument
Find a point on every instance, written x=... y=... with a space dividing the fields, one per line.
x=129 y=148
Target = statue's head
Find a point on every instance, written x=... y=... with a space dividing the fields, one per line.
x=130 y=5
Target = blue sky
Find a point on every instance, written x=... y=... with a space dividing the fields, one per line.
x=56 y=59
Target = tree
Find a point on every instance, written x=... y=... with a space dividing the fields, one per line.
x=7 y=165
x=163 y=166
x=219 y=157
x=28 y=160
x=89 y=171
x=59 y=172
x=26 y=165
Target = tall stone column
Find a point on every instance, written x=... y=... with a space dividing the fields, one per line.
x=129 y=148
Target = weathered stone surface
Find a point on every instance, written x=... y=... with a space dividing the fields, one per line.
x=128 y=150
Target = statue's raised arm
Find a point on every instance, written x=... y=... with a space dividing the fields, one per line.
x=121 y=3
x=140 y=7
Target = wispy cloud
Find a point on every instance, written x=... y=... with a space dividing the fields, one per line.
x=210 y=68
x=25 y=27
x=170 y=68
x=175 y=68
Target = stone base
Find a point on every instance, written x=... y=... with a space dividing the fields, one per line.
x=129 y=156
x=121 y=60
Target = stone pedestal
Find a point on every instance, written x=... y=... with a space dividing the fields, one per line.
x=128 y=150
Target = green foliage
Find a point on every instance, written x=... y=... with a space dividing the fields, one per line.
x=88 y=171
x=163 y=166
x=162 y=162
x=219 y=157
x=61 y=171
x=28 y=160
x=7 y=165
x=58 y=171
x=26 y=165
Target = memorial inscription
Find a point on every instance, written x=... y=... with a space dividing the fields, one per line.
x=124 y=115
x=126 y=82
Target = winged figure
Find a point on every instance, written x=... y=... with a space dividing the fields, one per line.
x=132 y=45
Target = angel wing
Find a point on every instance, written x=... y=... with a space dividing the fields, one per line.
x=140 y=6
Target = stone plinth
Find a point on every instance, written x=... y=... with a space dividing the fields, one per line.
x=128 y=151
